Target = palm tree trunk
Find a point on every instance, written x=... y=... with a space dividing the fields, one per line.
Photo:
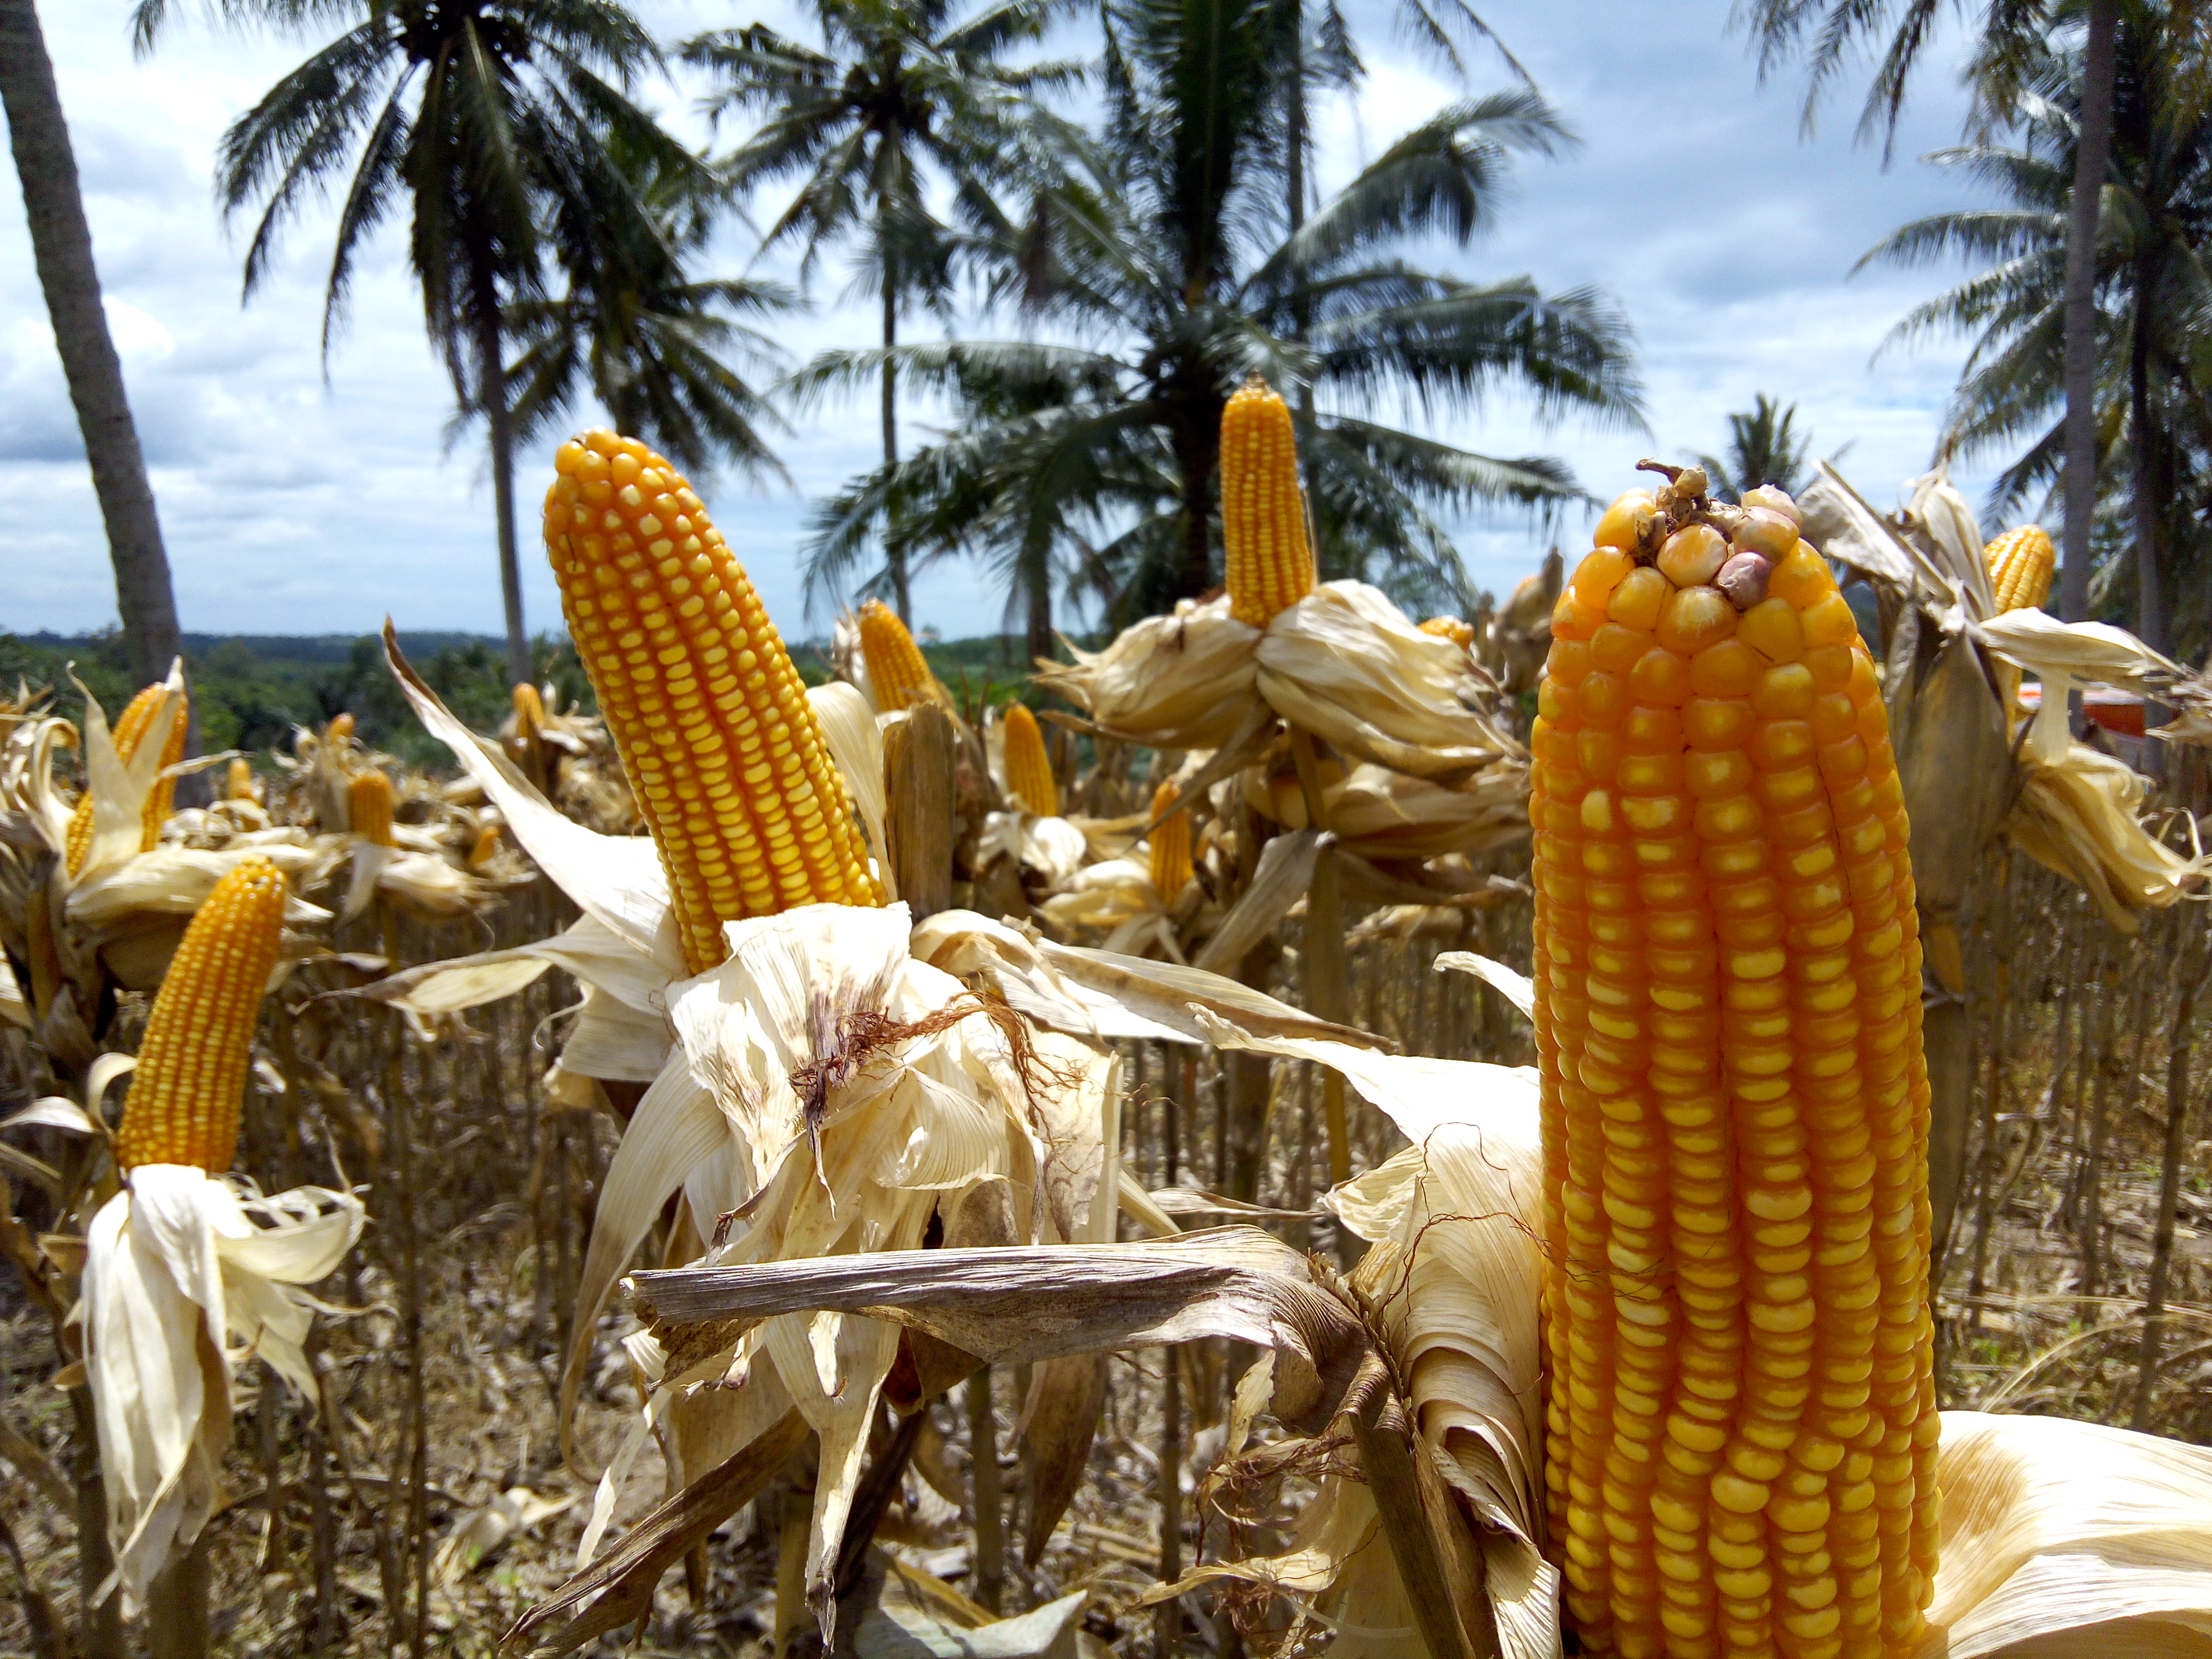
x=894 y=556
x=2092 y=148
x=1040 y=619
x=61 y=247
x=2150 y=594
x=492 y=392
x=1198 y=454
x=1294 y=124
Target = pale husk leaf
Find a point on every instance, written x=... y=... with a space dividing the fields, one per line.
x=1345 y=664
x=1183 y=681
x=184 y=1277
x=617 y=879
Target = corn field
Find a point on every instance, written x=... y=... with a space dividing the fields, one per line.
x=694 y=1255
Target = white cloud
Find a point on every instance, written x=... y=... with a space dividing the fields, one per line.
x=295 y=500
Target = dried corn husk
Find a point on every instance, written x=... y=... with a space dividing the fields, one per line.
x=2060 y=1537
x=187 y=1276
x=1182 y=681
x=1344 y=663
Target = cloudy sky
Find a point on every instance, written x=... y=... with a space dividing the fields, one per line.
x=298 y=502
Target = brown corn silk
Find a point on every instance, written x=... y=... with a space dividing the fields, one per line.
x=130 y=730
x=185 y=1094
x=1170 y=845
x=1029 y=767
x=1741 y=1427
x=2021 y=563
x=368 y=806
x=721 y=748
x=1269 y=563
x=896 y=668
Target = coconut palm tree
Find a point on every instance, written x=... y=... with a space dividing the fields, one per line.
x=1159 y=271
x=634 y=331
x=2012 y=33
x=898 y=96
x=2153 y=405
x=61 y=248
x=477 y=119
x=1764 y=447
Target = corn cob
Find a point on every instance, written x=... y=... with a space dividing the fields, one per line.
x=1028 y=769
x=2020 y=562
x=1460 y=633
x=130 y=730
x=368 y=806
x=238 y=781
x=897 y=667
x=1270 y=563
x=529 y=710
x=485 y=848
x=340 y=729
x=1741 y=1413
x=183 y=1107
x=719 y=744
x=1171 y=869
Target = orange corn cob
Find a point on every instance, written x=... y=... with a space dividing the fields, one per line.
x=129 y=733
x=368 y=806
x=183 y=1107
x=340 y=728
x=2020 y=562
x=1263 y=517
x=1460 y=633
x=238 y=781
x=897 y=667
x=486 y=847
x=721 y=745
x=1171 y=869
x=529 y=710
x=1741 y=1414
x=1028 y=769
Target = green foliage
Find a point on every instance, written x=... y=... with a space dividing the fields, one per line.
x=1157 y=267
x=1764 y=447
x=251 y=692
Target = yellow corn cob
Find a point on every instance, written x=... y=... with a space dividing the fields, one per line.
x=529 y=710
x=486 y=847
x=184 y=1102
x=721 y=745
x=1263 y=514
x=2020 y=562
x=1741 y=1411
x=897 y=667
x=238 y=781
x=368 y=806
x=1170 y=845
x=340 y=728
x=1460 y=633
x=129 y=733
x=1028 y=769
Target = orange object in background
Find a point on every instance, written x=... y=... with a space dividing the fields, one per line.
x=2117 y=711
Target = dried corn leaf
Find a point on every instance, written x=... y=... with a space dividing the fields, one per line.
x=1026 y=1305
